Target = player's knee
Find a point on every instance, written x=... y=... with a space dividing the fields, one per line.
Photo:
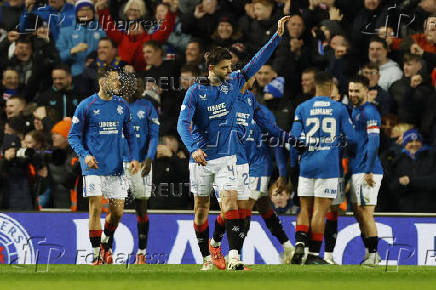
x=201 y=213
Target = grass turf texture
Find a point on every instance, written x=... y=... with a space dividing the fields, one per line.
x=108 y=277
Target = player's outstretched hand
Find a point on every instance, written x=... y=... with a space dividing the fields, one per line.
x=369 y=178
x=146 y=167
x=91 y=162
x=134 y=167
x=281 y=25
x=200 y=157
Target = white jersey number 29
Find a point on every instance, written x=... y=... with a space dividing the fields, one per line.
x=328 y=126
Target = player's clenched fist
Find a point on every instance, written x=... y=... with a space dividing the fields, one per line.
x=134 y=167
x=91 y=162
x=200 y=157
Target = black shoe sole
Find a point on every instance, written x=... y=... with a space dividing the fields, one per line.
x=297 y=259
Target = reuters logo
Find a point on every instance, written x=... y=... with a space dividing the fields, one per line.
x=15 y=244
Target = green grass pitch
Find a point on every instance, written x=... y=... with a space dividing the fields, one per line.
x=267 y=277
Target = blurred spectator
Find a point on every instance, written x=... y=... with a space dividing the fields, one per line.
x=43 y=119
x=411 y=93
x=10 y=85
x=226 y=32
x=194 y=54
x=10 y=12
x=171 y=176
x=378 y=96
x=389 y=70
x=107 y=55
x=62 y=169
x=135 y=33
x=33 y=58
x=412 y=175
x=61 y=97
x=58 y=14
x=15 y=106
x=307 y=88
x=281 y=201
x=204 y=21
x=15 y=177
x=177 y=38
x=76 y=42
x=165 y=75
x=36 y=140
x=293 y=55
x=259 y=30
x=372 y=16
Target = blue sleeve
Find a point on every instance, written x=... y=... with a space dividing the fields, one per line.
x=153 y=131
x=63 y=46
x=279 y=155
x=266 y=121
x=373 y=121
x=297 y=129
x=347 y=127
x=184 y=124
x=75 y=137
x=261 y=57
x=129 y=134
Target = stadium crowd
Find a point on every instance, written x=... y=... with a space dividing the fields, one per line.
x=50 y=53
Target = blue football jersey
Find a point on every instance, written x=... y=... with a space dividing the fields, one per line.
x=146 y=126
x=322 y=123
x=207 y=118
x=97 y=129
x=367 y=122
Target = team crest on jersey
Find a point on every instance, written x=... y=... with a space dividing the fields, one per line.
x=141 y=114
x=202 y=97
x=120 y=110
x=224 y=89
x=97 y=112
x=75 y=120
x=16 y=246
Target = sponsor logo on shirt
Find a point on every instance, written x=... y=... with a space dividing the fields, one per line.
x=108 y=128
x=217 y=110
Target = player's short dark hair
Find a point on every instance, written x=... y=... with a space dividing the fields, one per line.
x=359 y=79
x=65 y=67
x=154 y=44
x=104 y=71
x=323 y=78
x=412 y=57
x=308 y=70
x=114 y=44
x=216 y=55
x=370 y=65
x=191 y=68
x=379 y=40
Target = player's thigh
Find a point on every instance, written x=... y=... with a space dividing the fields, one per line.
x=306 y=187
x=140 y=187
x=327 y=187
x=361 y=193
x=259 y=186
x=321 y=205
x=92 y=186
x=225 y=173
x=243 y=175
x=115 y=187
x=201 y=179
x=306 y=204
x=340 y=196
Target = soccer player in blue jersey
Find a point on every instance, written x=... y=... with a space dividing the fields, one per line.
x=146 y=126
x=256 y=124
x=366 y=169
x=207 y=127
x=96 y=136
x=322 y=122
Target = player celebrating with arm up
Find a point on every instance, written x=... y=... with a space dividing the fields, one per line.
x=206 y=125
x=96 y=136
x=366 y=169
